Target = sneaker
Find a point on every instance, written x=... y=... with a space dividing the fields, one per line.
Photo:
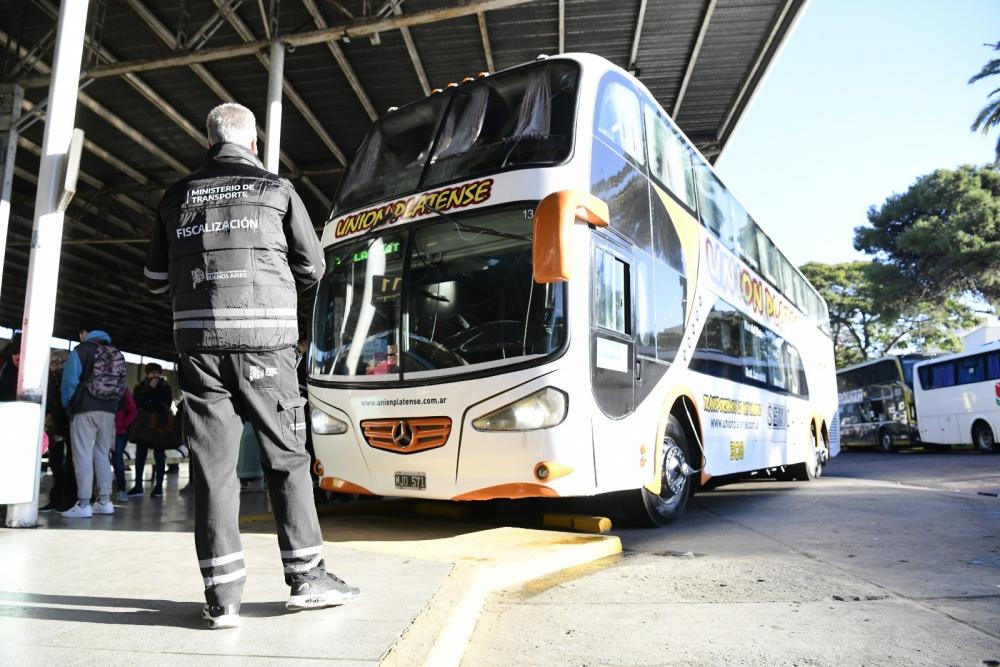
x=157 y=492
x=122 y=497
x=220 y=617
x=79 y=511
x=103 y=508
x=316 y=592
x=135 y=491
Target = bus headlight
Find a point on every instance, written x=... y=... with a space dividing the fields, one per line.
x=324 y=424
x=543 y=409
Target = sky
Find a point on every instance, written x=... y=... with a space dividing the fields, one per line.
x=866 y=96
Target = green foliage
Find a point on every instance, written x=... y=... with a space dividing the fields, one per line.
x=942 y=236
x=871 y=314
x=989 y=117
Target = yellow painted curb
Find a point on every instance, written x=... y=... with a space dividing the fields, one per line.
x=485 y=562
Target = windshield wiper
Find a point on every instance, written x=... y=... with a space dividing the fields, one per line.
x=461 y=226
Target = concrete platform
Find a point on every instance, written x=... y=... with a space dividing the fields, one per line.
x=125 y=589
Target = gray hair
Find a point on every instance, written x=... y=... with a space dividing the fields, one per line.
x=233 y=123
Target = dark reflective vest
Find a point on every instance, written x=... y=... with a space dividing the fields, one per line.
x=231 y=285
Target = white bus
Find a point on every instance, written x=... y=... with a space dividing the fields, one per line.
x=536 y=287
x=958 y=398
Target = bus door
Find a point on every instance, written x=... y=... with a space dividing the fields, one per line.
x=612 y=348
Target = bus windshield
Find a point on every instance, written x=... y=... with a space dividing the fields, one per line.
x=521 y=117
x=451 y=296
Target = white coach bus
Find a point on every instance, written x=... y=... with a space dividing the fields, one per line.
x=958 y=398
x=536 y=287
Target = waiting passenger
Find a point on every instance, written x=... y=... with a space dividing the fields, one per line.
x=154 y=429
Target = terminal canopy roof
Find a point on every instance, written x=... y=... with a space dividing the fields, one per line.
x=152 y=70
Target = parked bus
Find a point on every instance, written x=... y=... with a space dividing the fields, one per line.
x=876 y=403
x=958 y=398
x=536 y=287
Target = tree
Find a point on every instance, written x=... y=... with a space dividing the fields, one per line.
x=942 y=235
x=869 y=319
x=989 y=117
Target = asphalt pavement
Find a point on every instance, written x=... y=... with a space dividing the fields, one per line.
x=888 y=559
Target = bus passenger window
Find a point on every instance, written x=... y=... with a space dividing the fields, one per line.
x=993 y=366
x=611 y=292
x=768 y=263
x=713 y=200
x=619 y=120
x=775 y=362
x=971 y=370
x=669 y=158
x=746 y=234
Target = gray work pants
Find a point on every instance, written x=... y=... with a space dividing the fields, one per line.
x=92 y=437
x=222 y=390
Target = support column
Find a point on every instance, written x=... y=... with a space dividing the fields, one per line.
x=275 y=81
x=43 y=265
x=11 y=96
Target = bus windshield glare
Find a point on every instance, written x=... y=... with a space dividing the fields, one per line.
x=513 y=119
x=451 y=296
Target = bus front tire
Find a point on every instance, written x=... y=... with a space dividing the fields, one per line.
x=983 y=439
x=885 y=442
x=676 y=483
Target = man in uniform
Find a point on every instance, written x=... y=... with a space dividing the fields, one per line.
x=230 y=243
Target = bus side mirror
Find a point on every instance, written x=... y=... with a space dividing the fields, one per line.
x=552 y=239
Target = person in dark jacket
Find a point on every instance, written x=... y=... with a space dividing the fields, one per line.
x=92 y=427
x=9 y=361
x=154 y=398
x=62 y=495
x=230 y=243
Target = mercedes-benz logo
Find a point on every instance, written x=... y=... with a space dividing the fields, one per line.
x=402 y=434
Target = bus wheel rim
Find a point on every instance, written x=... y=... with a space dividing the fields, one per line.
x=673 y=478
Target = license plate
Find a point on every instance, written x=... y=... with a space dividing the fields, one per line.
x=411 y=480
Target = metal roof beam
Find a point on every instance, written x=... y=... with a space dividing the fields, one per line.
x=638 y=33
x=485 y=34
x=167 y=37
x=138 y=84
x=411 y=48
x=778 y=24
x=357 y=28
x=341 y=58
x=104 y=113
x=694 y=57
x=562 y=26
x=247 y=35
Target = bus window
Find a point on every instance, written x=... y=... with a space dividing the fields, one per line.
x=669 y=158
x=993 y=366
x=787 y=277
x=775 y=362
x=611 y=286
x=768 y=266
x=619 y=121
x=645 y=310
x=754 y=352
x=393 y=155
x=938 y=375
x=796 y=373
x=746 y=235
x=719 y=349
x=713 y=204
x=971 y=369
x=521 y=117
x=669 y=297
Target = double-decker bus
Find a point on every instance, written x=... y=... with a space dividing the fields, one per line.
x=876 y=403
x=536 y=287
x=958 y=398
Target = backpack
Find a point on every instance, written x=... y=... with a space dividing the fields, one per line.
x=107 y=374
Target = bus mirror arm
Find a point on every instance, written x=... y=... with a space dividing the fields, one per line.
x=553 y=231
